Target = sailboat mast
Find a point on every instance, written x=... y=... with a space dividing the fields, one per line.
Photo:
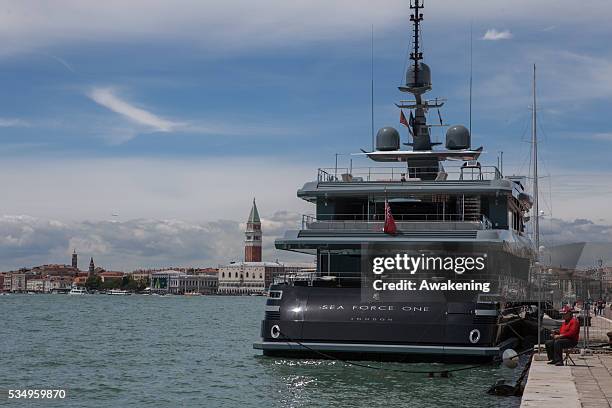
x=538 y=270
x=534 y=141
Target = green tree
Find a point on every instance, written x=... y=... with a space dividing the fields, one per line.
x=111 y=284
x=93 y=282
x=129 y=283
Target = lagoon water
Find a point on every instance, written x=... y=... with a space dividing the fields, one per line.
x=150 y=351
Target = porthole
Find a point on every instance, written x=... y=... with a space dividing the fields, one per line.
x=275 y=331
x=474 y=336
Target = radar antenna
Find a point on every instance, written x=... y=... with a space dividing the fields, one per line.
x=416 y=55
x=422 y=161
x=418 y=81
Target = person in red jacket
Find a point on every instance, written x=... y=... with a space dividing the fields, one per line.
x=565 y=337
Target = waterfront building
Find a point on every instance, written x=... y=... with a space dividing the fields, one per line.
x=245 y=278
x=58 y=283
x=204 y=284
x=159 y=281
x=36 y=284
x=141 y=275
x=204 y=271
x=52 y=270
x=252 y=241
x=254 y=278
x=178 y=283
x=80 y=279
x=6 y=284
x=109 y=275
x=18 y=282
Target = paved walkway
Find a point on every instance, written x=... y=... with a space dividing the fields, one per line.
x=550 y=386
x=587 y=385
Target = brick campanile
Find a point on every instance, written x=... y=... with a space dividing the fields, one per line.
x=252 y=241
x=75 y=260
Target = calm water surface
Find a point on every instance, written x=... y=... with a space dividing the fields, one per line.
x=150 y=351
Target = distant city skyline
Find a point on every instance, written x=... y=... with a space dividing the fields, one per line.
x=139 y=133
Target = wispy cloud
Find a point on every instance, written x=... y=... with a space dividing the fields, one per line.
x=109 y=99
x=63 y=62
x=13 y=122
x=607 y=137
x=121 y=133
x=493 y=35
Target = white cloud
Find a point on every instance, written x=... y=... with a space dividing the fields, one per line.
x=606 y=137
x=559 y=231
x=503 y=90
x=13 y=122
x=562 y=67
x=192 y=189
x=126 y=245
x=226 y=26
x=140 y=120
x=108 y=98
x=493 y=35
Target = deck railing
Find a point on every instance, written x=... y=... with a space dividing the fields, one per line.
x=372 y=221
x=469 y=172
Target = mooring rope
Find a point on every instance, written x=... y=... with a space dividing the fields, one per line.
x=352 y=363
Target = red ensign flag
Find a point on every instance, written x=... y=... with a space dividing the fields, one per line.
x=389 y=227
x=403 y=120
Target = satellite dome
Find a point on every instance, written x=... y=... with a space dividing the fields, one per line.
x=458 y=138
x=423 y=77
x=387 y=139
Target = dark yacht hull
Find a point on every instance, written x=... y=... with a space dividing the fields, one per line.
x=307 y=321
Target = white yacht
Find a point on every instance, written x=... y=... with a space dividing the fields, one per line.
x=77 y=291
x=118 y=292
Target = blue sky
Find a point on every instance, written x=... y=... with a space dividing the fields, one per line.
x=185 y=110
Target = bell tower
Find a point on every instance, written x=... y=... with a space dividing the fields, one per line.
x=75 y=259
x=252 y=241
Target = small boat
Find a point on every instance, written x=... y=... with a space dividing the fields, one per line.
x=77 y=291
x=118 y=292
x=193 y=294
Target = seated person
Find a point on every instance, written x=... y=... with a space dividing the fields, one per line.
x=565 y=337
